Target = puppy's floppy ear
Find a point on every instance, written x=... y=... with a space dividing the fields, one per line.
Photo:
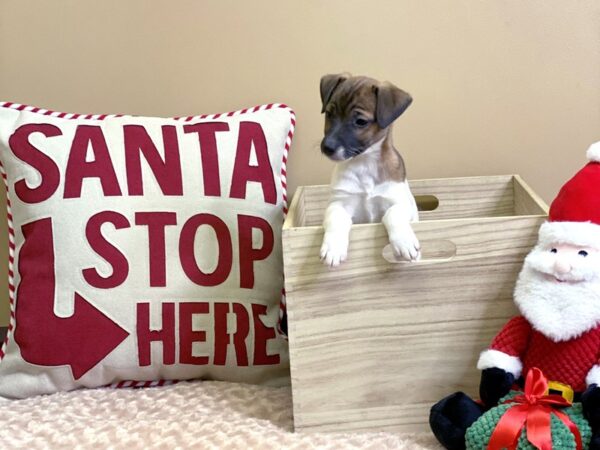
x=391 y=103
x=328 y=85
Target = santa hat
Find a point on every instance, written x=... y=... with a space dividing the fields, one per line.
x=575 y=212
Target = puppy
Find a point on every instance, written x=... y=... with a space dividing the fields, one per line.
x=369 y=182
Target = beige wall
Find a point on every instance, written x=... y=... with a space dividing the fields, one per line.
x=499 y=86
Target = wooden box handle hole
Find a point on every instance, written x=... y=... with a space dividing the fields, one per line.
x=427 y=202
x=432 y=252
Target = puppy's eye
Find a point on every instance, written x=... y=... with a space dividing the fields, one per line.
x=583 y=253
x=553 y=251
x=360 y=122
x=328 y=114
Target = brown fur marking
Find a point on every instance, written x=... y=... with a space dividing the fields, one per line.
x=358 y=94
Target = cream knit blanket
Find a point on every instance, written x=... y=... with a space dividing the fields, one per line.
x=194 y=415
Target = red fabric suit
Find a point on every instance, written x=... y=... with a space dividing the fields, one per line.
x=566 y=361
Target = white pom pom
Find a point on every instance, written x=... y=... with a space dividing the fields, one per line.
x=593 y=153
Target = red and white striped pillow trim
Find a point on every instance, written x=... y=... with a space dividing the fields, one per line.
x=11 y=231
x=141 y=384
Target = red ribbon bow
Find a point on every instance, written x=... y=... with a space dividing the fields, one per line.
x=533 y=408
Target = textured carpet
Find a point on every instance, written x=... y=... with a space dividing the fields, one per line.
x=198 y=415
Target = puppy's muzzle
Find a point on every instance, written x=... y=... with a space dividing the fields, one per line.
x=331 y=148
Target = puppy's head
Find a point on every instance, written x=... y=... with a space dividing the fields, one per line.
x=358 y=112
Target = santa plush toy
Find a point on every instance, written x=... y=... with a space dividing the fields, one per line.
x=558 y=331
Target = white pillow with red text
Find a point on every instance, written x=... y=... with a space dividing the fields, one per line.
x=144 y=249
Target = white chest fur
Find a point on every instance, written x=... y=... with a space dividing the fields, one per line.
x=360 y=194
x=357 y=183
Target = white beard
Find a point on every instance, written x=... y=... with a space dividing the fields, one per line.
x=560 y=311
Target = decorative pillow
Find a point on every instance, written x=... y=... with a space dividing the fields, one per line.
x=142 y=248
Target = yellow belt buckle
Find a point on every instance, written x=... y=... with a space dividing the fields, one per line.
x=564 y=390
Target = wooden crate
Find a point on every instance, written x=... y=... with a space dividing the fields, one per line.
x=373 y=343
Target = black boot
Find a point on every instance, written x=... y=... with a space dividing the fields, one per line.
x=590 y=400
x=595 y=442
x=450 y=417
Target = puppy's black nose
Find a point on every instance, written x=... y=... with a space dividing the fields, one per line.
x=326 y=150
x=328 y=147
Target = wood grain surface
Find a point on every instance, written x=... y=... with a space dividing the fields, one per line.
x=373 y=343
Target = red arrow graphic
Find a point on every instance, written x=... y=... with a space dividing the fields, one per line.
x=80 y=341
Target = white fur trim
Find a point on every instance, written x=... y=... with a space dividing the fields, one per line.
x=585 y=234
x=593 y=376
x=560 y=311
x=593 y=153
x=494 y=358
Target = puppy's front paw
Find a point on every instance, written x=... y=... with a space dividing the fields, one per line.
x=406 y=246
x=334 y=250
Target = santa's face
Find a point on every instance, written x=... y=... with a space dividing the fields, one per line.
x=558 y=290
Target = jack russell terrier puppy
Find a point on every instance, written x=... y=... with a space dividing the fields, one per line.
x=369 y=182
